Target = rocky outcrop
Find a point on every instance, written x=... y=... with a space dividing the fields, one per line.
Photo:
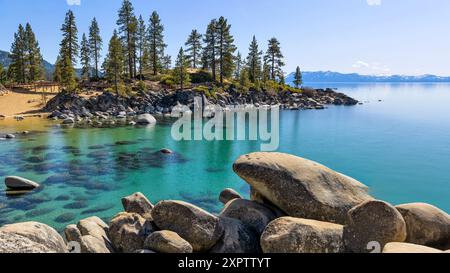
x=373 y=221
x=19 y=183
x=404 y=248
x=167 y=242
x=91 y=244
x=96 y=228
x=39 y=234
x=14 y=243
x=128 y=232
x=200 y=228
x=295 y=235
x=227 y=195
x=300 y=187
x=237 y=238
x=138 y=203
x=426 y=225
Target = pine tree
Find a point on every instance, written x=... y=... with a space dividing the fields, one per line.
x=141 y=45
x=127 y=23
x=34 y=64
x=266 y=72
x=238 y=65
x=114 y=62
x=254 y=61
x=225 y=49
x=68 y=77
x=156 y=42
x=274 y=58
x=18 y=56
x=85 y=58
x=181 y=74
x=194 y=47
x=57 y=72
x=298 y=79
x=95 y=45
x=209 y=50
x=68 y=52
x=166 y=63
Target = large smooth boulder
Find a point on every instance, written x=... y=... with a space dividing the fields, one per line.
x=128 y=232
x=95 y=227
x=296 y=235
x=14 y=243
x=38 y=233
x=20 y=183
x=146 y=119
x=300 y=187
x=426 y=225
x=237 y=238
x=254 y=215
x=373 y=221
x=227 y=195
x=405 y=248
x=167 y=242
x=200 y=228
x=91 y=244
x=138 y=203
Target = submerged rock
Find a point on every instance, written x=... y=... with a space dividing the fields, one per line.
x=426 y=225
x=19 y=183
x=200 y=228
x=373 y=221
x=300 y=187
x=295 y=235
x=65 y=218
x=38 y=233
x=167 y=242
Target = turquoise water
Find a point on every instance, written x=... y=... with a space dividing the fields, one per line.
x=397 y=143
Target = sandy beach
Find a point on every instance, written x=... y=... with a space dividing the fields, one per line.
x=22 y=102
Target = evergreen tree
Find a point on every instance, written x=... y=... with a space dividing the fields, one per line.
x=85 y=58
x=266 y=72
x=34 y=64
x=274 y=58
x=244 y=80
x=225 y=49
x=114 y=62
x=181 y=74
x=194 y=47
x=209 y=50
x=238 y=65
x=298 y=79
x=18 y=56
x=68 y=52
x=141 y=45
x=127 y=23
x=95 y=45
x=254 y=61
x=166 y=63
x=68 y=77
x=57 y=72
x=156 y=42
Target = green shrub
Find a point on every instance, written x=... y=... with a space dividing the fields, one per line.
x=167 y=80
x=201 y=77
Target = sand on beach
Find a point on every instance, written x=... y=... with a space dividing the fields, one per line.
x=22 y=102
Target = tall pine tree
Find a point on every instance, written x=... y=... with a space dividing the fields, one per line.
x=34 y=64
x=68 y=52
x=254 y=61
x=18 y=65
x=180 y=72
x=274 y=58
x=156 y=42
x=114 y=63
x=209 y=51
x=141 y=45
x=298 y=79
x=95 y=46
x=194 y=48
x=225 y=49
x=238 y=66
x=127 y=23
x=85 y=58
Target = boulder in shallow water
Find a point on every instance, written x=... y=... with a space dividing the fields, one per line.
x=200 y=228
x=237 y=238
x=426 y=225
x=138 y=203
x=227 y=195
x=405 y=248
x=252 y=214
x=10 y=136
x=146 y=119
x=19 y=183
x=68 y=121
x=167 y=242
x=373 y=221
x=296 y=235
x=300 y=187
x=128 y=232
x=38 y=233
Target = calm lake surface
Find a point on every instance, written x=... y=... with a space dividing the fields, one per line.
x=399 y=147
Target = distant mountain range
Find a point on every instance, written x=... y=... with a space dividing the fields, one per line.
x=336 y=77
x=5 y=61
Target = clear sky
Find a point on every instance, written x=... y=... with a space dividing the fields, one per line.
x=365 y=36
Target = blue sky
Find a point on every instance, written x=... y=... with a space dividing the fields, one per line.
x=364 y=36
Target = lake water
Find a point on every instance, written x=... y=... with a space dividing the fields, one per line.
x=397 y=143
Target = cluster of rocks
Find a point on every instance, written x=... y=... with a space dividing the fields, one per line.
x=296 y=206
x=108 y=108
